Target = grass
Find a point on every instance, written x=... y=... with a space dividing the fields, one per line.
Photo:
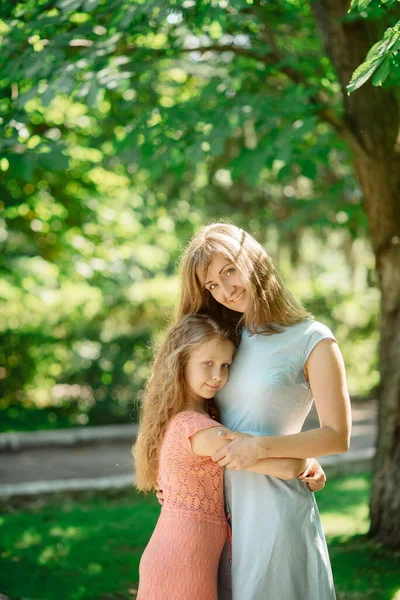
x=88 y=548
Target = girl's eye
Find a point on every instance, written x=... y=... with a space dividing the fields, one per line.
x=212 y=287
x=230 y=271
x=226 y=365
x=208 y=363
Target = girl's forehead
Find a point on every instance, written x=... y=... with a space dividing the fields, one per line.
x=214 y=348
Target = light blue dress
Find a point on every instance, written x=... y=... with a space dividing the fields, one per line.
x=278 y=549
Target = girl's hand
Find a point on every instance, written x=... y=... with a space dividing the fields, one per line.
x=159 y=494
x=240 y=454
x=313 y=475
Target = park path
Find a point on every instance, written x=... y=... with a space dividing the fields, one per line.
x=99 y=457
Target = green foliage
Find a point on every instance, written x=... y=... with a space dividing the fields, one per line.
x=383 y=58
x=363 y=4
x=124 y=127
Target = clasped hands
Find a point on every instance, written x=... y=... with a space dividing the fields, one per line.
x=241 y=453
x=244 y=452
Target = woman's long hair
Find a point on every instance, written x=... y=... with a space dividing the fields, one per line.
x=166 y=390
x=271 y=305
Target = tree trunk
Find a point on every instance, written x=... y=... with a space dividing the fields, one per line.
x=371 y=117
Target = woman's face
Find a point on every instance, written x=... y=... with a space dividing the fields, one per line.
x=224 y=282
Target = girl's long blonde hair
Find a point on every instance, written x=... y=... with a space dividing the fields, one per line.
x=166 y=390
x=271 y=306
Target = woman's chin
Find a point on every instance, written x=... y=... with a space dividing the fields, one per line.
x=240 y=307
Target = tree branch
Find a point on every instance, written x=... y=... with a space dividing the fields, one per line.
x=324 y=112
x=239 y=50
x=322 y=109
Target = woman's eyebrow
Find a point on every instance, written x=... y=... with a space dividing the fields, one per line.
x=229 y=263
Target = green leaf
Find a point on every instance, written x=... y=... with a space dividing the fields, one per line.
x=308 y=168
x=47 y=96
x=362 y=4
x=23 y=98
x=90 y=5
x=374 y=58
x=54 y=160
x=194 y=154
x=217 y=146
x=382 y=72
x=353 y=5
x=69 y=5
x=359 y=5
x=64 y=84
x=23 y=165
x=91 y=98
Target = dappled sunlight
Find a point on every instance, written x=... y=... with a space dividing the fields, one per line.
x=68 y=532
x=343 y=508
x=94 y=568
x=354 y=523
x=353 y=484
x=53 y=554
x=29 y=538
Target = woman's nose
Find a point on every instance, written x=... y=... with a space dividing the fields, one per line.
x=229 y=291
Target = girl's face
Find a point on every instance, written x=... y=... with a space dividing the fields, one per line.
x=207 y=369
x=225 y=284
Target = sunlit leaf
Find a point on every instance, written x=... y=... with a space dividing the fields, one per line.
x=382 y=72
x=375 y=57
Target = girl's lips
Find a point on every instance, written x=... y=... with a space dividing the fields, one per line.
x=212 y=386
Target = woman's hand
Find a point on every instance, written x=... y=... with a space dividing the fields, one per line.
x=240 y=454
x=313 y=475
x=159 y=494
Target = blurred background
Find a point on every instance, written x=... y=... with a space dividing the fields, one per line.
x=126 y=126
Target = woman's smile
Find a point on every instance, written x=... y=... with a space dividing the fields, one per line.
x=238 y=297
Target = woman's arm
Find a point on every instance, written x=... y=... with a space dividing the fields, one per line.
x=284 y=468
x=208 y=441
x=326 y=374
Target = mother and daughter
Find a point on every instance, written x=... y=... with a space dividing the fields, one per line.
x=220 y=433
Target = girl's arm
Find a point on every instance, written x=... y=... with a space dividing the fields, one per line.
x=326 y=374
x=208 y=441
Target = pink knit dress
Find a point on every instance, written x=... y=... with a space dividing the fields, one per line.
x=181 y=559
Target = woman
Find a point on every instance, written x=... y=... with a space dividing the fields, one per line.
x=284 y=361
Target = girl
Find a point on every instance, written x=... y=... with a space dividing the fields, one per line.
x=176 y=439
x=285 y=358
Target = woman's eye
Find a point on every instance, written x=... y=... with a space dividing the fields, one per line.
x=212 y=287
x=230 y=271
x=226 y=365
x=208 y=363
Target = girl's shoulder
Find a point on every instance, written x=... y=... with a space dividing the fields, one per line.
x=192 y=416
x=188 y=422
